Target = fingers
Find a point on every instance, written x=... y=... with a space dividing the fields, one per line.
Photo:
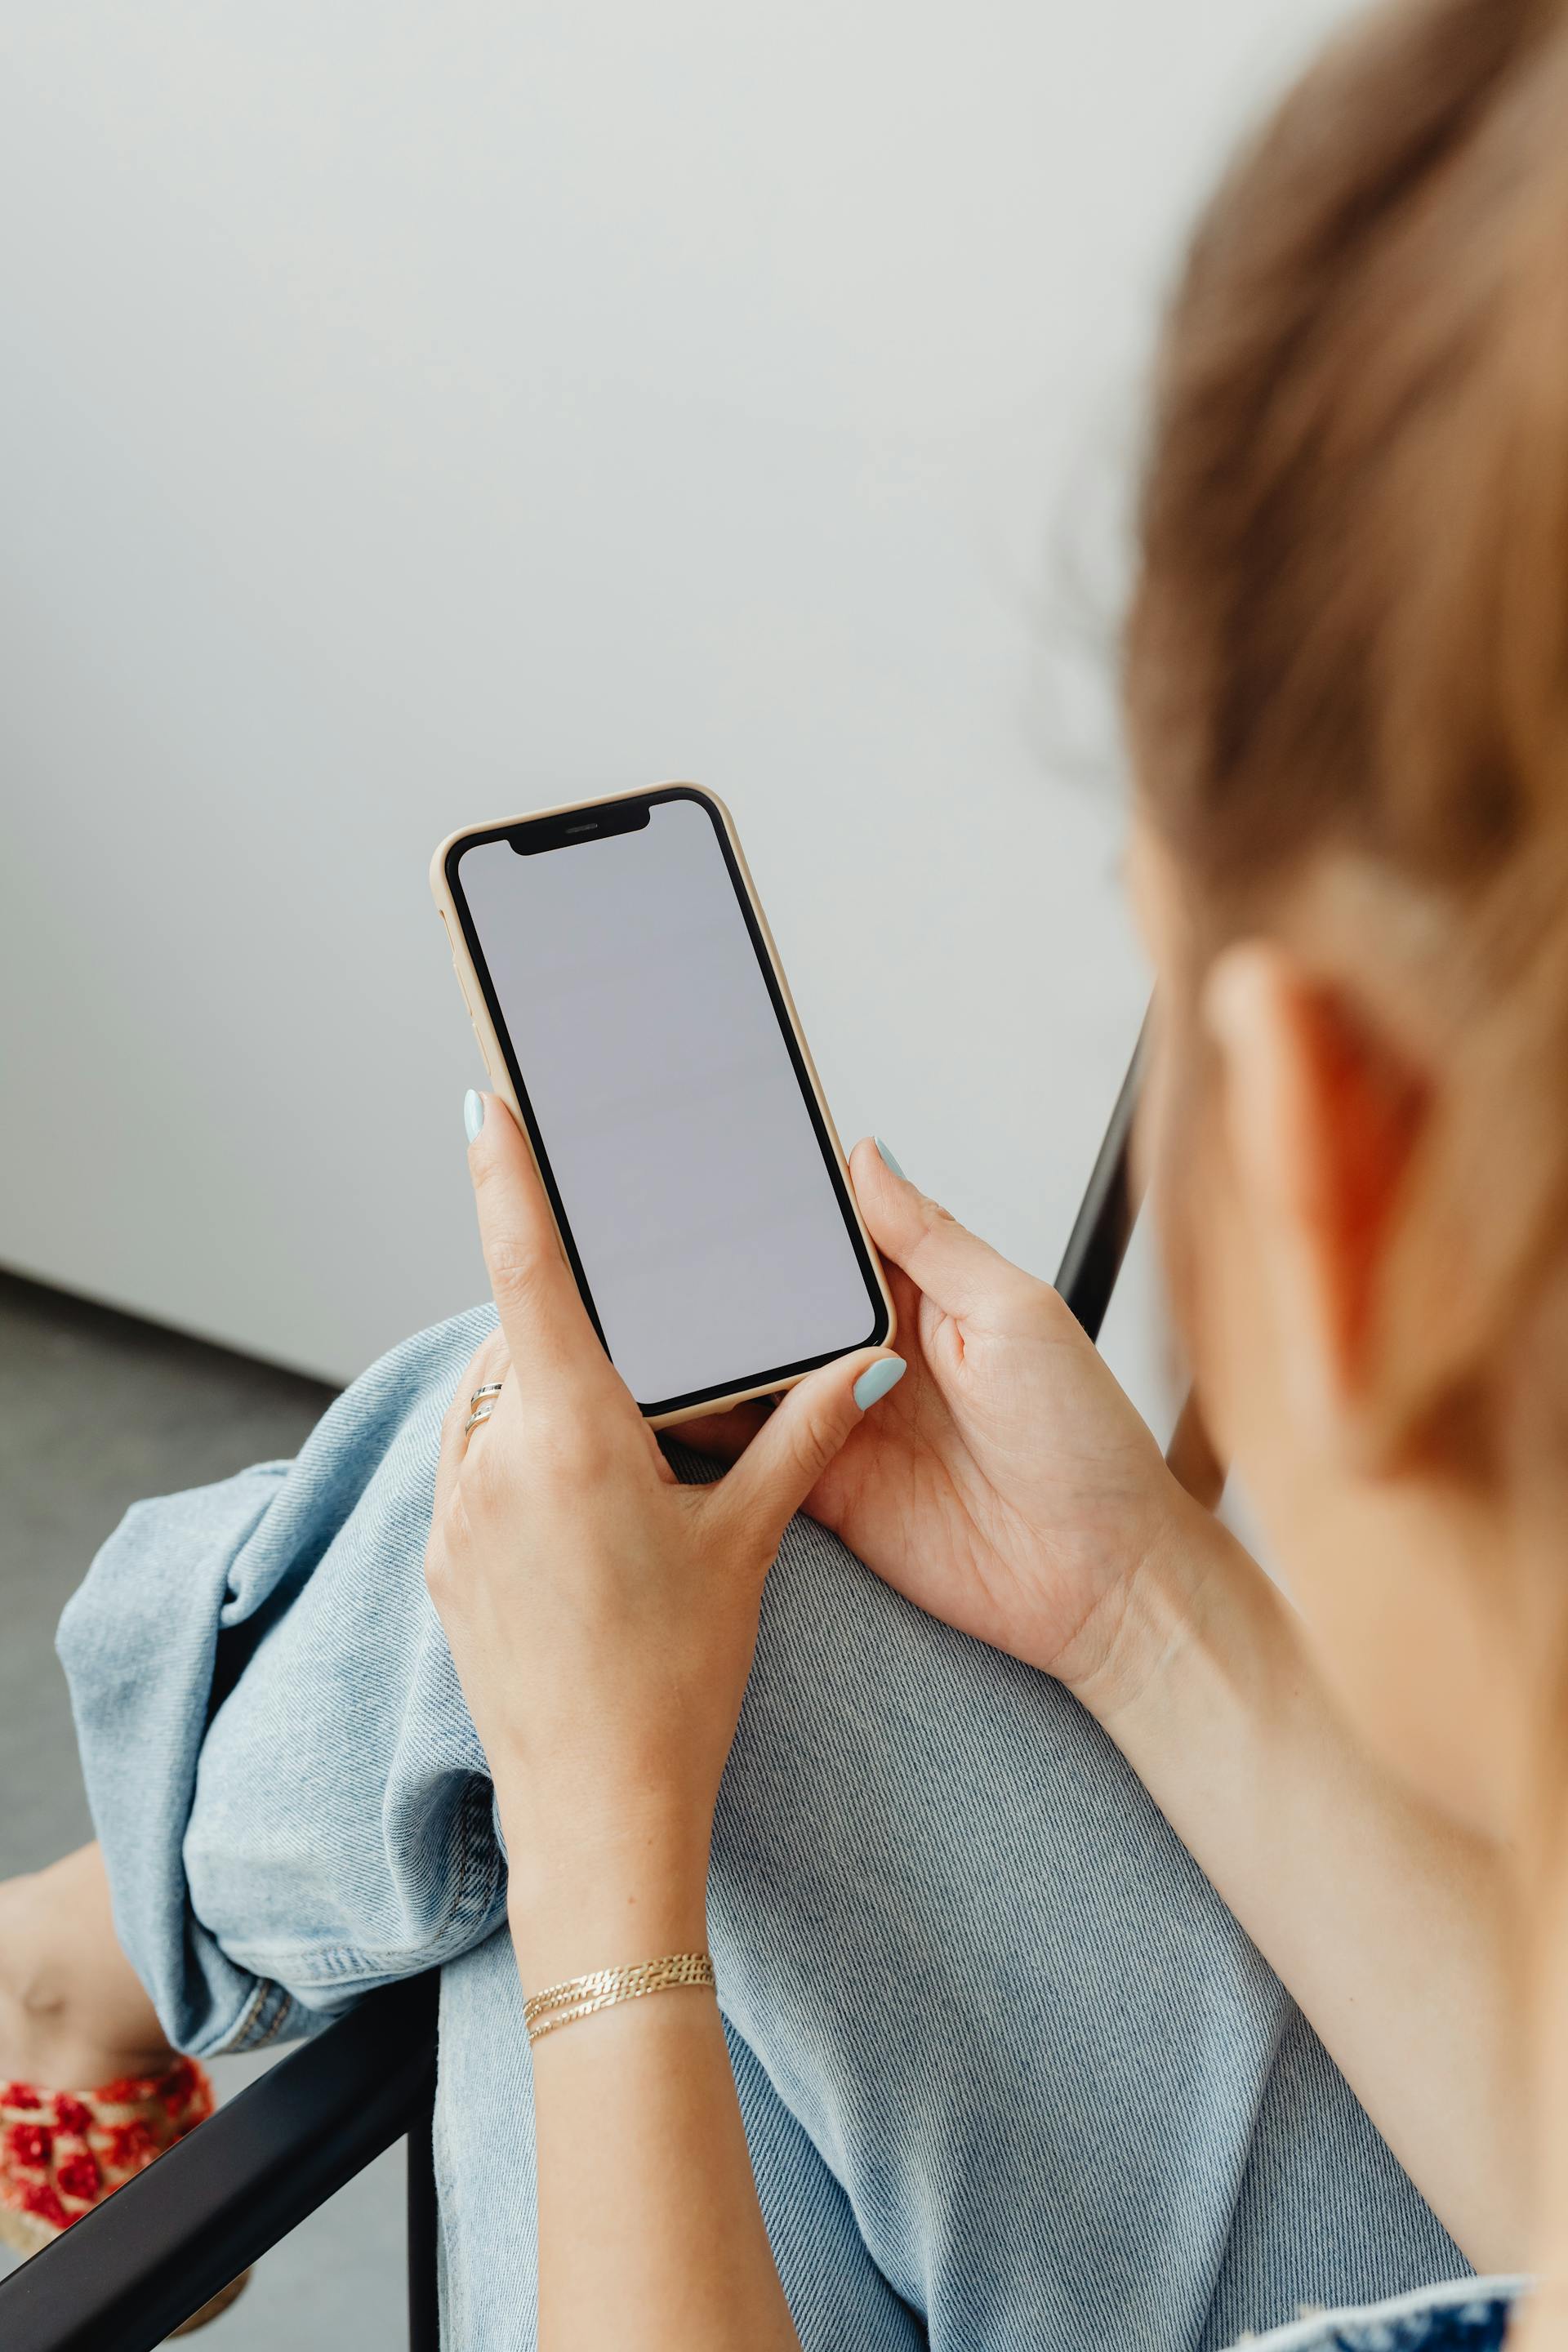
x=547 y=1328
x=800 y=1438
x=490 y=1362
x=959 y=1273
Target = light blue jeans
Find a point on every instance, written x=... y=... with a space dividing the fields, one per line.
x=1012 y=2076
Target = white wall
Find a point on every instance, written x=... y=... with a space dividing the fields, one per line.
x=410 y=413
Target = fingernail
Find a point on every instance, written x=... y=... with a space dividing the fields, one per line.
x=473 y=1113
x=880 y=1376
x=888 y=1161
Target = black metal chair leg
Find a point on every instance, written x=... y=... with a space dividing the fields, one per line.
x=424 y=2229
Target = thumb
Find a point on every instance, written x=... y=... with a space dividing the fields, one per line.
x=958 y=1271
x=796 y=1442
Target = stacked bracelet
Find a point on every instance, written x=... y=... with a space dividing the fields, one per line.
x=563 y=2004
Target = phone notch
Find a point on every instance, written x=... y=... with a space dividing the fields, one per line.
x=571 y=826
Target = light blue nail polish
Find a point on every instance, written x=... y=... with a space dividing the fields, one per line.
x=887 y=1160
x=473 y=1113
x=879 y=1378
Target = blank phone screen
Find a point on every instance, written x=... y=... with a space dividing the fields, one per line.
x=693 y=1178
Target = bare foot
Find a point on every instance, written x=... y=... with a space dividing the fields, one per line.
x=73 y=2013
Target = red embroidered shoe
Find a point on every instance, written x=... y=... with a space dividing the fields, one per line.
x=63 y=2152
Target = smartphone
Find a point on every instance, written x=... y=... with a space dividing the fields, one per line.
x=630 y=1006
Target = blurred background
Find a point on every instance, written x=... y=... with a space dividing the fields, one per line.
x=412 y=415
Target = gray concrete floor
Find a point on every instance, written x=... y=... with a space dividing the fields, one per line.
x=97 y=1409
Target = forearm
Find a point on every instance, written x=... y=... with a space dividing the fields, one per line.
x=650 y=2234
x=1387 y=1926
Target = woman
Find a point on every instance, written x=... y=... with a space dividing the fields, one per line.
x=1348 y=690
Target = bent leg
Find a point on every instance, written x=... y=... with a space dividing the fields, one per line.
x=1069 y=2101
x=1013 y=2033
x=1316 y=2174
x=73 y=2011
x=290 y=1798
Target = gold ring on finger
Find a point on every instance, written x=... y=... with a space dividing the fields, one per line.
x=482 y=1413
x=490 y=1388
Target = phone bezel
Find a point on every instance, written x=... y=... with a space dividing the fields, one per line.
x=446 y=874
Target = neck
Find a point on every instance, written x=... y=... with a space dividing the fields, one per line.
x=1541 y=1883
x=1537 y=1423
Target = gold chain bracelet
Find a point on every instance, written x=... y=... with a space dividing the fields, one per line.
x=563 y=2004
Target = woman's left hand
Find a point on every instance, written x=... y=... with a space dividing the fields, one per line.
x=602 y=1617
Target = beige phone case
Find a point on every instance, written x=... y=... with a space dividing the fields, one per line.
x=495 y=1060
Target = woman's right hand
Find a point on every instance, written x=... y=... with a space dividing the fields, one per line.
x=1008 y=1485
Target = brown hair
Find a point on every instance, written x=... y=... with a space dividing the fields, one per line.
x=1354 y=527
x=1351 y=627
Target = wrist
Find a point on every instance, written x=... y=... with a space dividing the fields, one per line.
x=1195 y=1602
x=586 y=1892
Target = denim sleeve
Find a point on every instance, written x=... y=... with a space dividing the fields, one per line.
x=208 y=1813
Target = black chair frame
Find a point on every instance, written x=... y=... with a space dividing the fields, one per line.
x=128 y=2273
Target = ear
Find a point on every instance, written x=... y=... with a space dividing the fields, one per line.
x=1323 y=1116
